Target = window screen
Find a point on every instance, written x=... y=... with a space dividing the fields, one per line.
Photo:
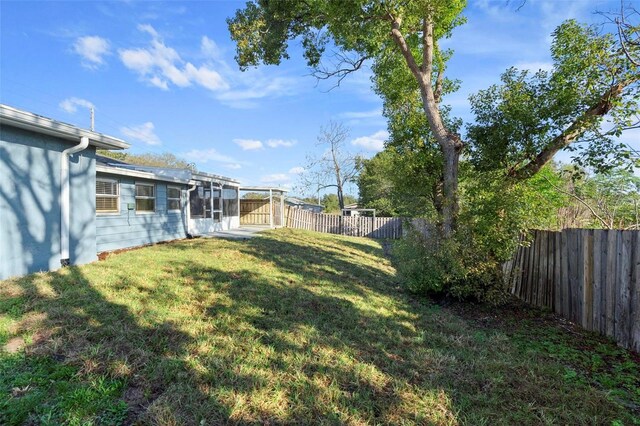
x=230 y=201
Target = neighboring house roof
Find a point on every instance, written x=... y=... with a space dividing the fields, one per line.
x=29 y=121
x=299 y=202
x=351 y=206
x=263 y=188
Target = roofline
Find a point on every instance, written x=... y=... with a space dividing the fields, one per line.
x=263 y=188
x=29 y=121
x=210 y=176
x=136 y=173
x=290 y=199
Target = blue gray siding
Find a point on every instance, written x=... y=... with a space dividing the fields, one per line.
x=129 y=228
x=30 y=202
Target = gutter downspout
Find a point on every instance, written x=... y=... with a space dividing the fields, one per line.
x=189 y=191
x=65 y=199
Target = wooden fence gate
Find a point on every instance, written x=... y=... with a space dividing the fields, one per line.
x=255 y=212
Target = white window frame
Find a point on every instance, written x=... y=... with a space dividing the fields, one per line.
x=140 y=197
x=220 y=200
x=116 y=196
x=170 y=198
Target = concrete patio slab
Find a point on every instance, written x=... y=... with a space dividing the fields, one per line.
x=243 y=233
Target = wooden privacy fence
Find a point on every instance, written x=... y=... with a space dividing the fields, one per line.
x=591 y=277
x=259 y=212
x=356 y=226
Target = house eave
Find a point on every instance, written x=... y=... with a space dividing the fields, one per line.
x=138 y=174
x=10 y=116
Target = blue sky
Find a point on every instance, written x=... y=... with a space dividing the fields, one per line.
x=161 y=75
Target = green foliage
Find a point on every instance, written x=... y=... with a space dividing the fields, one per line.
x=166 y=159
x=263 y=29
x=331 y=205
x=255 y=196
x=398 y=184
x=493 y=214
x=608 y=200
x=525 y=114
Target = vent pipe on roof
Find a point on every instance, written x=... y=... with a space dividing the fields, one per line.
x=65 y=198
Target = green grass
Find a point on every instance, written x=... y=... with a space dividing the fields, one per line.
x=291 y=327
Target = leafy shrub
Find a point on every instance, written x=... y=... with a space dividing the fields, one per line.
x=432 y=266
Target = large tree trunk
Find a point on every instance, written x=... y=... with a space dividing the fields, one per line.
x=450 y=144
x=450 y=207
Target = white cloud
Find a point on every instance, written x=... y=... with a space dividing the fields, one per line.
x=362 y=114
x=275 y=143
x=146 y=28
x=296 y=170
x=71 y=105
x=254 y=86
x=210 y=49
x=161 y=66
x=233 y=166
x=275 y=178
x=374 y=142
x=144 y=133
x=209 y=155
x=248 y=144
x=535 y=66
x=92 y=49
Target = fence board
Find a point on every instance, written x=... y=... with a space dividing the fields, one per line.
x=591 y=277
x=357 y=226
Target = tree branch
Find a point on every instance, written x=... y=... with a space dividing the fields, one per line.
x=571 y=194
x=341 y=69
x=568 y=136
x=398 y=38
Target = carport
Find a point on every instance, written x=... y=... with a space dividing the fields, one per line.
x=262 y=206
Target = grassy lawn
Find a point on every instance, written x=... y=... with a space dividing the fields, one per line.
x=291 y=327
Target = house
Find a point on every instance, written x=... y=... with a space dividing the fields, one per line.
x=62 y=204
x=351 y=210
x=301 y=204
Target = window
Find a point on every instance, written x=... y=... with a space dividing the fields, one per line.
x=230 y=201
x=174 y=198
x=107 y=197
x=145 y=197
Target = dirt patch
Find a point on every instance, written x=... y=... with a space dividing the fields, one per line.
x=14 y=345
x=105 y=254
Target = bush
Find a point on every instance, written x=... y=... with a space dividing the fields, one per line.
x=457 y=268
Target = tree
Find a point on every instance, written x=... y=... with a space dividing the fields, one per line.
x=166 y=159
x=331 y=205
x=364 y=30
x=523 y=122
x=334 y=166
x=399 y=182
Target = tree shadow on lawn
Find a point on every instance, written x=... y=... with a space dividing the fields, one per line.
x=72 y=356
x=421 y=361
x=308 y=333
